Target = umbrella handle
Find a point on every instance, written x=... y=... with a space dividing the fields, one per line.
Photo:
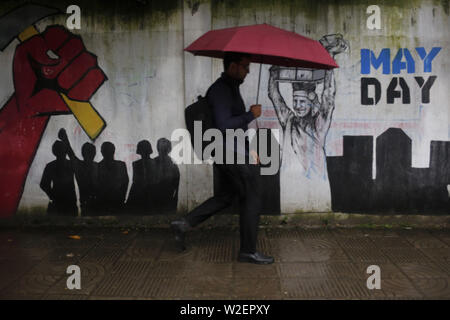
x=257 y=93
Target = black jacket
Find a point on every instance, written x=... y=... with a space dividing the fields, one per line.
x=228 y=108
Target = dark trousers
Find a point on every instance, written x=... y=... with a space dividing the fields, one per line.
x=240 y=180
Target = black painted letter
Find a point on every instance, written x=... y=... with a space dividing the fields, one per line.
x=392 y=93
x=425 y=88
x=365 y=82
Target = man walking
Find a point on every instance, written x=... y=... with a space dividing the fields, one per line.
x=228 y=111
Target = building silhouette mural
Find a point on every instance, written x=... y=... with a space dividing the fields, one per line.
x=398 y=186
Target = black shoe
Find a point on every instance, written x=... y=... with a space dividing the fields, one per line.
x=256 y=257
x=179 y=228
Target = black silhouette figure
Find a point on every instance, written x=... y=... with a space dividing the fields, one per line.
x=112 y=182
x=86 y=173
x=143 y=178
x=164 y=190
x=58 y=183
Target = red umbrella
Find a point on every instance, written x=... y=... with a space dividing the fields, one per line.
x=266 y=44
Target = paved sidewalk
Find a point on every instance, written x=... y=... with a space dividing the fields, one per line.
x=310 y=264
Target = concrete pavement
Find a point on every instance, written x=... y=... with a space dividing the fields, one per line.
x=316 y=263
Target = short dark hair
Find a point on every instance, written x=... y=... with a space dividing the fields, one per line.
x=235 y=57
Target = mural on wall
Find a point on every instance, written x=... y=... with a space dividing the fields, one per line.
x=53 y=74
x=387 y=115
x=164 y=191
x=143 y=178
x=304 y=130
x=398 y=186
x=86 y=173
x=103 y=185
x=58 y=183
x=155 y=181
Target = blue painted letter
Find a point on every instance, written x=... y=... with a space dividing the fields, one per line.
x=398 y=65
x=368 y=58
x=427 y=59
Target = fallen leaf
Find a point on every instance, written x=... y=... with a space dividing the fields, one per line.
x=10 y=240
x=75 y=237
x=125 y=232
x=70 y=255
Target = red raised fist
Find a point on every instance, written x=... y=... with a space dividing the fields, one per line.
x=44 y=66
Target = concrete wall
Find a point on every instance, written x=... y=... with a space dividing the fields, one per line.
x=150 y=80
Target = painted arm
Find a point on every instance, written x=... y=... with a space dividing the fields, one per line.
x=277 y=99
x=327 y=106
x=334 y=44
x=63 y=136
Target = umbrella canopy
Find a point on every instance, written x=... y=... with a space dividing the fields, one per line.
x=266 y=44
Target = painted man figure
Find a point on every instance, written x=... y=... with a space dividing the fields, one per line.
x=59 y=184
x=144 y=172
x=165 y=188
x=86 y=173
x=112 y=182
x=303 y=173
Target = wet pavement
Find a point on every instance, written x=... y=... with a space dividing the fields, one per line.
x=144 y=264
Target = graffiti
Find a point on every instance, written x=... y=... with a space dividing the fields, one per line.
x=331 y=157
x=58 y=183
x=86 y=172
x=369 y=59
x=143 y=174
x=305 y=127
x=112 y=182
x=164 y=192
x=398 y=186
x=155 y=181
x=53 y=74
x=103 y=185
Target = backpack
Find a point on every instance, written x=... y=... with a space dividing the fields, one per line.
x=199 y=111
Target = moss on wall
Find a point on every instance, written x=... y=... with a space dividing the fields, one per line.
x=114 y=14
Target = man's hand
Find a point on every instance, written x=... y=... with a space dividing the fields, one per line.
x=256 y=110
x=255 y=157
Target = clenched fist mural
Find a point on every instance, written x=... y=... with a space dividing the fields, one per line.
x=53 y=74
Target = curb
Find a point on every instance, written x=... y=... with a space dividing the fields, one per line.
x=305 y=220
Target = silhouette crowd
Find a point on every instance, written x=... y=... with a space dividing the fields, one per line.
x=103 y=185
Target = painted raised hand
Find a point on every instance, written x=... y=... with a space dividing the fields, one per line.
x=50 y=71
